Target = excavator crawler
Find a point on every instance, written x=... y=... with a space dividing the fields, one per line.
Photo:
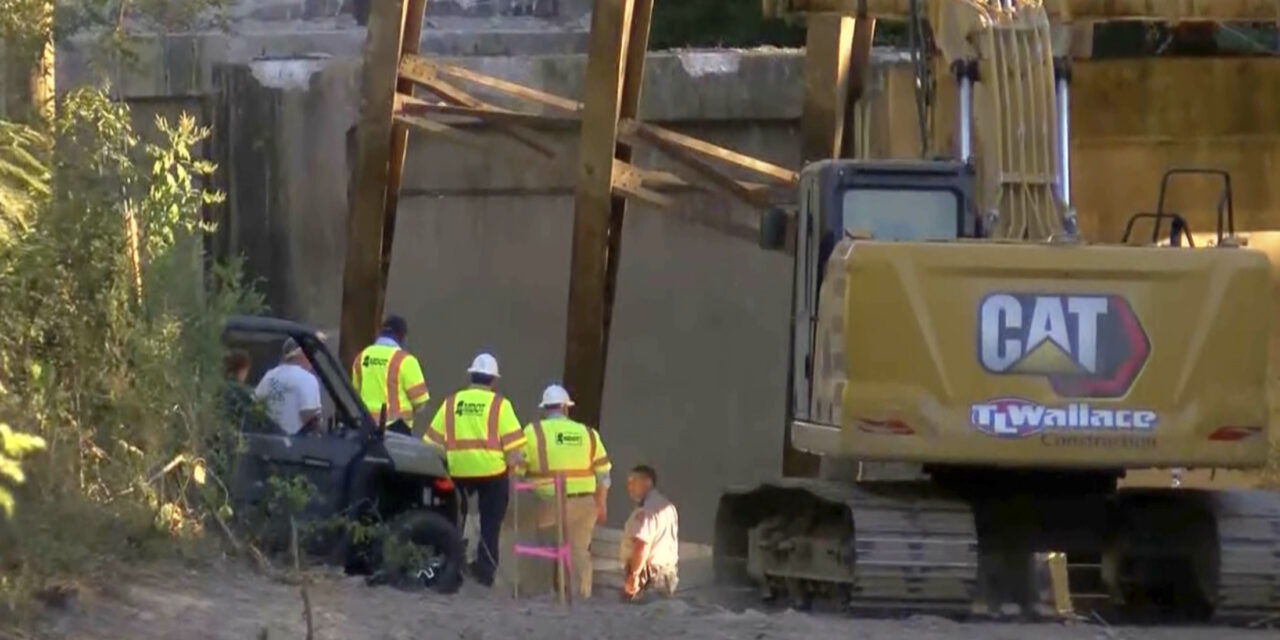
x=977 y=378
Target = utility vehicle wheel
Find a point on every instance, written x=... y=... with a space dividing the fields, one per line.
x=423 y=549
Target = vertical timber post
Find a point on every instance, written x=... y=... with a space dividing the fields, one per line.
x=615 y=71
x=828 y=44
x=864 y=33
x=411 y=42
x=363 y=279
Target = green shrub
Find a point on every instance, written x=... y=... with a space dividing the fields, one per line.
x=110 y=347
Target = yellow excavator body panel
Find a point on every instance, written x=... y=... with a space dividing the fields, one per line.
x=1050 y=355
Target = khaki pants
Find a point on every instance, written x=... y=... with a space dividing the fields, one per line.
x=580 y=524
x=537 y=525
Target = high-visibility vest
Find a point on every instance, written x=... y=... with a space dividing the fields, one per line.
x=560 y=445
x=476 y=427
x=383 y=374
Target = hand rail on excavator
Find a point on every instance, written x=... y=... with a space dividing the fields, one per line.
x=1177 y=227
x=1226 y=205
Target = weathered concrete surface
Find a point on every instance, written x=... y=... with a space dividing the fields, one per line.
x=310 y=9
x=181 y=64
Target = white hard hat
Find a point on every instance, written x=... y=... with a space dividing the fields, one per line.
x=554 y=396
x=484 y=364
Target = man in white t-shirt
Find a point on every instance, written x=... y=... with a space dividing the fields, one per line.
x=290 y=391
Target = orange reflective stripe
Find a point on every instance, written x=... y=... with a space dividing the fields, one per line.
x=416 y=390
x=469 y=445
x=510 y=438
x=495 y=409
x=601 y=462
x=541 y=464
x=435 y=437
x=449 y=436
x=358 y=371
x=393 y=384
x=568 y=473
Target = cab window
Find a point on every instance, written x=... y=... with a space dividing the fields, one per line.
x=902 y=214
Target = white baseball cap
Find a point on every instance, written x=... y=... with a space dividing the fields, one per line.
x=484 y=364
x=554 y=396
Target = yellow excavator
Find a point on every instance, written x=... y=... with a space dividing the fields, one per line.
x=978 y=379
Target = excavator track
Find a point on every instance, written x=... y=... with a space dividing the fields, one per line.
x=1248 y=544
x=908 y=547
x=1197 y=554
x=917 y=552
x=884 y=547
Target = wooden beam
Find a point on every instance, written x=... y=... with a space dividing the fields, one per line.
x=1059 y=10
x=630 y=182
x=828 y=48
x=661 y=179
x=864 y=34
x=418 y=70
x=415 y=105
x=718 y=219
x=637 y=49
x=410 y=38
x=634 y=130
x=754 y=195
x=510 y=88
x=363 y=287
x=615 y=68
x=441 y=129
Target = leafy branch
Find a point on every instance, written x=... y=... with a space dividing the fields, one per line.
x=13 y=447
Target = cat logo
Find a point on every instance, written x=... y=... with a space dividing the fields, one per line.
x=1087 y=346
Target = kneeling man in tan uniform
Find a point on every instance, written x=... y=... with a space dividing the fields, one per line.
x=650 y=539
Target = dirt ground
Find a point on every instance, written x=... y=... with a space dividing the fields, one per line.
x=235 y=603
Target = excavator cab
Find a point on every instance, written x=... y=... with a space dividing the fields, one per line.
x=883 y=200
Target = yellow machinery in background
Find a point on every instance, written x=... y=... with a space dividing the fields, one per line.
x=978 y=380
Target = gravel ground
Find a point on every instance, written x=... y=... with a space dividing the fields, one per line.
x=235 y=603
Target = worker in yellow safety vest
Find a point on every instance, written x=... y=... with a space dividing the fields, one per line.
x=556 y=444
x=481 y=436
x=384 y=374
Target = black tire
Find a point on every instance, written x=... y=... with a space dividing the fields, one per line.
x=432 y=532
